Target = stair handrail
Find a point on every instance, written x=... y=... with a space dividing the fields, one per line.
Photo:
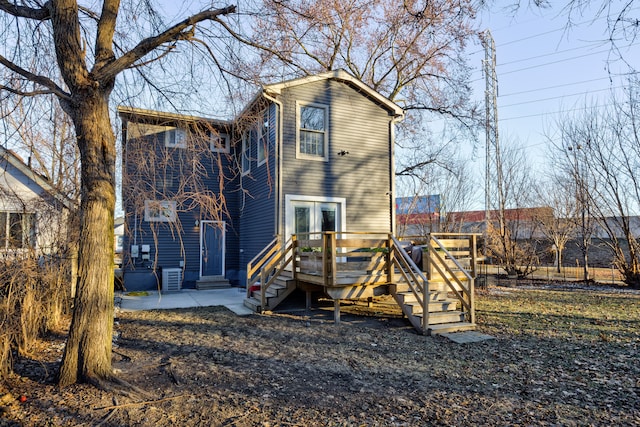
x=435 y=256
x=274 y=267
x=258 y=261
x=414 y=278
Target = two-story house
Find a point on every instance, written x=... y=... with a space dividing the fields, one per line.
x=204 y=197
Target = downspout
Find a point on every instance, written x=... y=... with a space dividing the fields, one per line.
x=278 y=168
x=392 y=169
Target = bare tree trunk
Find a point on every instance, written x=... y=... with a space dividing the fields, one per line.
x=87 y=356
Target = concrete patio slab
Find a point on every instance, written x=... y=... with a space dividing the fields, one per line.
x=232 y=298
x=467 y=337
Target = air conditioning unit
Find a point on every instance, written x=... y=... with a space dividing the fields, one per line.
x=171 y=279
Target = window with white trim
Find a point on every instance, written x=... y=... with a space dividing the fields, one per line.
x=175 y=138
x=312 y=141
x=220 y=143
x=160 y=210
x=246 y=151
x=263 y=140
x=17 y=230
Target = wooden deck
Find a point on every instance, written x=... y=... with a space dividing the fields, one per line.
x=361 y=265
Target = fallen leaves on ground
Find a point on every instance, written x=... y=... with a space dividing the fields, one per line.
x=559 y=357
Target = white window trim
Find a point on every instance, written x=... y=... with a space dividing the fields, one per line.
x=168 y=208
x=289 y=213
x=299 y=155
x=182 y=141
x=263 y=148
x=29 y=241
x=246 y=148
x=223 y=228
x=214 y=143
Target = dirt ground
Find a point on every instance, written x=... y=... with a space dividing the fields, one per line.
x=209 y=367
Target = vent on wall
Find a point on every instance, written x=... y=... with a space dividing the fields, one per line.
x=171 y=279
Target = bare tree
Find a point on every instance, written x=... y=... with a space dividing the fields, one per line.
x=558 y=223
x=511 y=228
x=43 y=132
x=605 y=165
x=452 y=181
x=410 y=51
x=571 y=166
x=82 y=79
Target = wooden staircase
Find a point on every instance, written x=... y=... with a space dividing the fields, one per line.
x=281 y=288
x=444 y=316
x=435 y=301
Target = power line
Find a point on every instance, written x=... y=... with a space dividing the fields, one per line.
x=553 y=87
x=558 y=61
x=544 y=55
x=555 y=112
x=559 y=97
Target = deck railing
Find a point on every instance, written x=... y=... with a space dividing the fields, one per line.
x=265 y=267
x=413 y=276
x=334 y=259
x=446 y=254
x=326 y=258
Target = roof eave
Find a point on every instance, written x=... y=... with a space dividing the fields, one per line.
x=340 y=75
x=36 y=177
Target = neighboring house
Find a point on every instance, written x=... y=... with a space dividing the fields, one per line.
x=118 y=234
x=33 y=214
x=306 y=155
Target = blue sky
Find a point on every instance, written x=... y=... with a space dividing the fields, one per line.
x=545 y=68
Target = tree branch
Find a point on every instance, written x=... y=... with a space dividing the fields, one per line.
x=41 y=80
x=40 y=14
x=26 y=93
x=175 y=33
x=106 y=30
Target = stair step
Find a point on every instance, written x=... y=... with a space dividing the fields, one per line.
x=446 y=328
x=409 y=296
x=442 y=306
x=252 y=304
x=441 y=286
x=202 y=285
x=438 y=318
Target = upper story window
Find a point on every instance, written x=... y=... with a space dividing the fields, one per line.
x=160 y=210
x=220 y=143
x=263 y=140
x=312 y=131
x=247 y=137
x=175 y=138
x=17 y=230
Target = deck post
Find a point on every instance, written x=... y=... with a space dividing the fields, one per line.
x=325 y=260
x=333 y=259
x=474 y=254
x=308 y=300
x=390 y=255
x=336 y=311
x=294 y=256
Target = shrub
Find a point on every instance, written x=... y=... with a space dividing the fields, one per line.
x=34 y=297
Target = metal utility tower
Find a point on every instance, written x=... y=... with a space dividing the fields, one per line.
x=492 y=145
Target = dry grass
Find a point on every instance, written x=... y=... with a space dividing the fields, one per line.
x=33 y=300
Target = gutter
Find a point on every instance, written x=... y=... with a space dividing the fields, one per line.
x=392 y=169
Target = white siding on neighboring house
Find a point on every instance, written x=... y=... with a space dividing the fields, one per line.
x=32 y=216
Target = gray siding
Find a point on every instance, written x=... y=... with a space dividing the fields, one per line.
x=257 y=198
x=357 y=125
